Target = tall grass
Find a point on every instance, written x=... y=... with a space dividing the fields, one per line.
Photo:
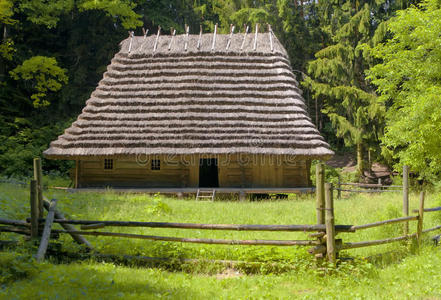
x=359 y=209
x=396 y=274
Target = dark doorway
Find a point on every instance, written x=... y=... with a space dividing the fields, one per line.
x=208 y=173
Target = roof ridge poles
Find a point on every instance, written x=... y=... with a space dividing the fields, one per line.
x=145 y=32
x=270 y=34
x=157 y=38
x=244 y=37
x=200 y=37
x=173 y=33
x=187 y=31
x=231 y=35
x=255 y=37
x=131 y=34
x=214 y=38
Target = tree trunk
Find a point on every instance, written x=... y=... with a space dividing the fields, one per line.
x=360 y=161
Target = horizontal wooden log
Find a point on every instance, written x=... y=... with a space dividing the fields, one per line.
x=368 y=191
x=238 y=227
x=15 y=230
x=317 y=234
x=432 y=229
x=380 y=223
x=428 y=209
x=370 y=185
x=194 y=240
x=377 y=242
x=14 y=222
x=93 y=226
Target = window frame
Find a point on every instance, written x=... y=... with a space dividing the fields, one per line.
x=106 y=162
x=155 y=164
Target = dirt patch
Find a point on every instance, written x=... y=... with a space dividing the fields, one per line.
x=348 y=163
x=342 y=161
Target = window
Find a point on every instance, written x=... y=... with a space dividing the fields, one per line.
x=108 y=164
x=156 y=164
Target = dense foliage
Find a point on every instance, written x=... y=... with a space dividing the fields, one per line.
x=53 y=53
x=409 y=83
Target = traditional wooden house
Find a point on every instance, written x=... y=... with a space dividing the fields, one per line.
x=194 y=111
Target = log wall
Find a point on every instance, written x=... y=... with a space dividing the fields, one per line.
x=183 y=171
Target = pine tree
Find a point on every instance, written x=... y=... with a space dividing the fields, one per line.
x=336 y=78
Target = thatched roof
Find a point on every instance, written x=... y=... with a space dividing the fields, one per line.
x=188 y=95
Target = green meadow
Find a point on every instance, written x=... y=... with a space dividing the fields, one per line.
x=393 y=271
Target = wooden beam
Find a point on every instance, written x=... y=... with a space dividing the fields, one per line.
x=46 y=231
x=320 y=193
x=34 y=208
x=194 y=240
x=38 y=176
x=331 y=251
x=236 y=227
x=380 y=223
x=377 y=242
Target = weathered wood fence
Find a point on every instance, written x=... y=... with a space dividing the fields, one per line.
x=321 y=236
x=374 y=187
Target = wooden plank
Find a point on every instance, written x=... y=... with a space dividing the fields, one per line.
x=34 y=209
x=331 y=251
x=195 y=240
x=420 y=220
x=380 y=223
x=46 y=231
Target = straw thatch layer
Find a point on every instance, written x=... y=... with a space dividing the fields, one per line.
x=164 y=99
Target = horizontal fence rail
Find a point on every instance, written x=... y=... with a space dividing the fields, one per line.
x=377 y=242
x=236 y=227
x=385 y=222
x=428 y=209
x=194 y=240
x=368 y=191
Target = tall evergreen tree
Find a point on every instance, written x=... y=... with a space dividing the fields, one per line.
x=337 y=80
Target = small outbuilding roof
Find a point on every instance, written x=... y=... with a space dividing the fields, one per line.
x=195 y=94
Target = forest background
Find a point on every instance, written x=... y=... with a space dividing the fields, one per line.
x=370 y=70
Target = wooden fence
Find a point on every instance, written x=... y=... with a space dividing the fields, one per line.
x=321 y=236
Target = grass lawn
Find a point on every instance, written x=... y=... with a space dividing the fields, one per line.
x=398 y=274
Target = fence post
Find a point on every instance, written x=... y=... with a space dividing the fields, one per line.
x=34 y=209
x=406 y=197
x=330 y=229
x=38 y=176
x=420 y=220
x=320 y=193
x=338 y=188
